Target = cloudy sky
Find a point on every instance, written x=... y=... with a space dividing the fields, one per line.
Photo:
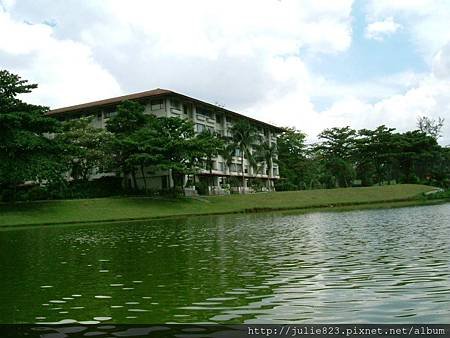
x=309 y=64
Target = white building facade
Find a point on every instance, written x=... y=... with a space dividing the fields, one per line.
x=205 y=116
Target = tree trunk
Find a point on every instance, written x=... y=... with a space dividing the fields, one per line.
x=133 y=176
x=143 y=177
x=210 y=172
x=243 y=172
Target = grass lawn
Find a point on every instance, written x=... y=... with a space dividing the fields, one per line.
x=131 y=208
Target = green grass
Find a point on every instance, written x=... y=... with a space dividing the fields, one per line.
x=122 y=208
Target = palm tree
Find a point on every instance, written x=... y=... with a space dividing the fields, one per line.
x=243 y=136
x=211 y=146
x=267 y=153
x=227 y=152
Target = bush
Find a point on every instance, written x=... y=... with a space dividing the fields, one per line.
x=202 y=187
x=102 y=187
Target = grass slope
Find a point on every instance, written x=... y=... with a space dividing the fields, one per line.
x=121 y=208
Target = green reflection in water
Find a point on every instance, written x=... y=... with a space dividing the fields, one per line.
x=379 y=266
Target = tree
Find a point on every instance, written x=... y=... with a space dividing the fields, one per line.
x=430 y=126
x=375 y=154
x=227 y=152
x=416 y=156
x=267 y=151
x=146 y=151
x=211 y=145
x=128 y=118
x=244 y=135
x=27 y=153
x=84 y=147
x=181 y=152
x=292 y=159
x=337 y=150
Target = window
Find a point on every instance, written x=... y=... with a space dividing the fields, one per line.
x=204 y=112
x=199 y=127
x=233 y=167
x=237 y=152
x=275 y=171
x=157 y=104
x=110 y=114
x=175 y=104
x=99 y=116
x=239 y=167
x=221 y=166
x=187 y=110
x=229 y=119
x=218 y=118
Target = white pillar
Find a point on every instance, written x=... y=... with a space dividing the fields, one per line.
x=170 y=179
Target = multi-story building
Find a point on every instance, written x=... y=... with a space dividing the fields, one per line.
x=162 y=102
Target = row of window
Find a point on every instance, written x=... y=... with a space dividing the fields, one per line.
x=236 y=167
x=201 y=127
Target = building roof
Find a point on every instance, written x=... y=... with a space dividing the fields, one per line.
x=144 y=95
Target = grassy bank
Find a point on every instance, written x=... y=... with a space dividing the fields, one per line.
x=117 y=209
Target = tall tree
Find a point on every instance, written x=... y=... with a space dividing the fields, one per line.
x=337 y=149
x=417 y=152
x=147 y=151
x=211 y=145
x=268 y=151
x=244 y=135
x=227 y=152
x=292 y=159
x=430 y=127
x=27 y=153
x=84 y=147
x=181 y=152
x=128 y=118
x=375 y=155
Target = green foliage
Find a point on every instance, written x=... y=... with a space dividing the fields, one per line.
x=378 y=156
x=266 y=152
x=41 y=158
x=292 y=160
x=26 y=151
x=85 y=147
x=211 y=145
x=128 y=118
x=244 y=135
x=336 y=152
x=146 y=142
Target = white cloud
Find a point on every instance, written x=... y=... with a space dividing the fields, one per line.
x=64 y=69
x=244 y=55
x=380 y=29
x=430 y=98
x=426 y=21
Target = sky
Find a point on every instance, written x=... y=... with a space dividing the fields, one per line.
x=306 y=64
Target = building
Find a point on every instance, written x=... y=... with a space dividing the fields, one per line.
x=162 y=102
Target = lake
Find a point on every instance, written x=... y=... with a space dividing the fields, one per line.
x=371 y=266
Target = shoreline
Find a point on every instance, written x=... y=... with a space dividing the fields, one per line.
x=335 y=207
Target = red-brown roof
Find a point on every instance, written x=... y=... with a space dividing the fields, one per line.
x=143 y=95
x=111 y=101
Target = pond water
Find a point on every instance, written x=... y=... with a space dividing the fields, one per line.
x=372 y=266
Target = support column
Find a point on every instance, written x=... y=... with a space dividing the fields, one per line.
x=171 y=185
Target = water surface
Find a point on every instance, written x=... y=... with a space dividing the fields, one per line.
x=372 y=266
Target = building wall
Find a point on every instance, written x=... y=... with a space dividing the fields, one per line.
x=203 y=117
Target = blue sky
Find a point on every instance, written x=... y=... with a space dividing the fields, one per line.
x=367 y=59
x=308 y=64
